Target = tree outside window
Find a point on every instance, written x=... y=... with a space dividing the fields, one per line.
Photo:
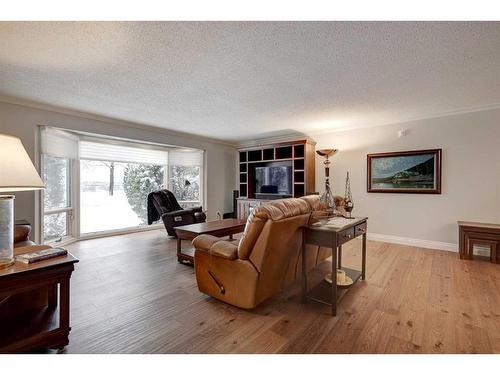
x=138 y=181
x=184 y=182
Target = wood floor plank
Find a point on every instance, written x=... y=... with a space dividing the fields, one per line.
x=373 y=338
x=440 y=334
x=411 y=313
x=397 y=345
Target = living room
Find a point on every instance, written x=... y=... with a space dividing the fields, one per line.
x=250 y=187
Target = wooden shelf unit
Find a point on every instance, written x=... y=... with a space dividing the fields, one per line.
x=300 y=153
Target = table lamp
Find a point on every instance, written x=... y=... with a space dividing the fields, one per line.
x=17 y=173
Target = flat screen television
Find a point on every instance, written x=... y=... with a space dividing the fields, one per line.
x=274 y=179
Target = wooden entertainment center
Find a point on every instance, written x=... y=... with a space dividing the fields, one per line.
x=298 y=156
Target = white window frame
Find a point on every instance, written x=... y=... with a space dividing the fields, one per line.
x=202 y=183
x=71 y=225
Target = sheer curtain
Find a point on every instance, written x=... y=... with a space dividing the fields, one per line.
x=122 y=153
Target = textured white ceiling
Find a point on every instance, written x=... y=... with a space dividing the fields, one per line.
x=244 y=80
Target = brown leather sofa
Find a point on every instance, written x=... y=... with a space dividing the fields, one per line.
x=267 y=258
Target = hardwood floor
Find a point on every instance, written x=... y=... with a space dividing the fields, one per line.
x=130 y=295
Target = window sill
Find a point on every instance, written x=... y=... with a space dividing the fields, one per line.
x=117 y=232
x=65 y=241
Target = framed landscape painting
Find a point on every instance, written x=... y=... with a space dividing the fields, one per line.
x=405 y=172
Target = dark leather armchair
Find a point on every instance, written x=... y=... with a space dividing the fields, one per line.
x=162 y=204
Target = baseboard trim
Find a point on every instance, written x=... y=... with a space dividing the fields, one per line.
x=413 y=242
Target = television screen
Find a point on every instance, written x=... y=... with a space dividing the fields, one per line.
x=274 y=178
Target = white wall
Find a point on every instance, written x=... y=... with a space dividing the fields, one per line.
x=22 y=121
x=470 y=175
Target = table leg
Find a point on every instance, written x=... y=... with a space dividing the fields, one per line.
x=461 y=243
x=470 y=249
x=179 y=248
x=363 y=258
x=230 y=236
x=52 y=295
x=64 y=304
x=334 y=275
x=339 y=261
x=304 y=268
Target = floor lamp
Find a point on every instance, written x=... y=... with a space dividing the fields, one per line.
x=17 y=173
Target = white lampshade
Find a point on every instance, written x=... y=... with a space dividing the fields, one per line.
x=17 y=172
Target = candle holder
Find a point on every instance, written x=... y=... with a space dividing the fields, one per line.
x=348 y=202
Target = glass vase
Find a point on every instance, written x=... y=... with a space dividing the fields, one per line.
x=6 y=230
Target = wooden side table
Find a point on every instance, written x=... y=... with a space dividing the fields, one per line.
x=472 y=233
x=334 y=237
x=24 y=324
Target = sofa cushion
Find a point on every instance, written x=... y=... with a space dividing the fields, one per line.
x=312 y=200
x=252 y=230
x=282 y=209
x=275 y=210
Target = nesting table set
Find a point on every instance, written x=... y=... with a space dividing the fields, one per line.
x=484 y=234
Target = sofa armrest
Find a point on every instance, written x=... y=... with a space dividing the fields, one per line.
x=177 y=213
x=204 y=242
x=200 y=217
x=216 y=247
x=225 y=249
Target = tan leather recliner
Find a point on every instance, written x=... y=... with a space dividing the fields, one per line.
x=267 y=258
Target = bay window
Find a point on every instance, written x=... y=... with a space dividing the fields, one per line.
x=112 y=180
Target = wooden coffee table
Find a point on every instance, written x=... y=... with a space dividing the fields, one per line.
x=218 y=228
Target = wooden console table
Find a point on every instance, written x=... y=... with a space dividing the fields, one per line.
x=31 y=314
x=334 y=237
x=472 y=233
